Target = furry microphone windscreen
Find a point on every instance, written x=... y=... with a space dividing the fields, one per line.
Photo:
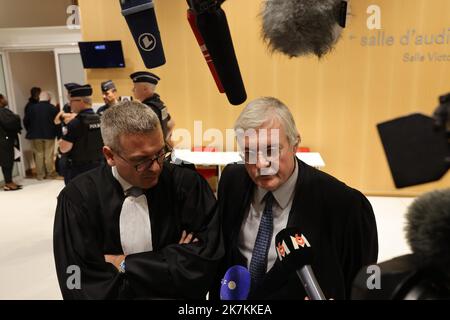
x=428 y=227
x=301 y=27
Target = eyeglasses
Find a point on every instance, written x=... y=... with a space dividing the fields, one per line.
x=251 y=156
x=161 y=156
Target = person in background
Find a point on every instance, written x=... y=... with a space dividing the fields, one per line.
x=10 y=127
x=144 y=90
x=109 y=92
x=62 y=119
x=42 y=131
x=34 y=98
x=82 y=144
x=66 y=115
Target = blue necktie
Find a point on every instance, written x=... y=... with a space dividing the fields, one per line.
x=258 y=264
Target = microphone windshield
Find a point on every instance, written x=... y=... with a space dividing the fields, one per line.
x=303 y=27
x=293 y=248
x=428 y=227
x=235 y=284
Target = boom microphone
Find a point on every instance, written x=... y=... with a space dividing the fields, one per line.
x=141 y=19
x=295 y=253
x=303 y=27
x=235 y=284
x=212 y=24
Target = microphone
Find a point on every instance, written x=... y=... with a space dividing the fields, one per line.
x=192 y=18
x=428 y=227
x=295 y=253
x=141 y=19
x=235 y=284
x=303 y=27
x=424 y=274
x=212 y=24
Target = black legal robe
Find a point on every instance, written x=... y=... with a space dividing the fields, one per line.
x=87 y=228
x=338 y=222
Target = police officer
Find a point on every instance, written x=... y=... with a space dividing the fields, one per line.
x=62 y=119
x=82 y=144
x=109 y=96
x=144 y=90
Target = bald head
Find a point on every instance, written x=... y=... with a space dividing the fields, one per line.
x=143 y=90
x=45 y=96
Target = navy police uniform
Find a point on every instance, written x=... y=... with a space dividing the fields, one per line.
x=61 y=159
x=84 y=133
x=154 y=101
x=105 y=86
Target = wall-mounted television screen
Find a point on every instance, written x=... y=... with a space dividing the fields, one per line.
x=102 y=54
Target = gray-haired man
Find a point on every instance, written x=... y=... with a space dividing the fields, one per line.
x=274 y=190
x=122 y=222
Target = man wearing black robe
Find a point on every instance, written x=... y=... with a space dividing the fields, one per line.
x=91 y=236
x=338 y=221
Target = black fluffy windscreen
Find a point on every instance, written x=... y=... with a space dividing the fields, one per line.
x=428 y=227
x=301 y=27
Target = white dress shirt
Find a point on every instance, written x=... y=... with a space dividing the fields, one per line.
x=135 y=226
x=281 y=208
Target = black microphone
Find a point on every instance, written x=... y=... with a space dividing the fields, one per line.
x=192 y=18
x=295 y=253
x=212 y=24
x=303 y=27
x=141 y=19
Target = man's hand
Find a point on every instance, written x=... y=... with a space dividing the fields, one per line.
x=115 y=260
x=187 y=238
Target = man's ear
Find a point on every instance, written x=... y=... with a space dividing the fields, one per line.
x=109 y=156
x=297 y=144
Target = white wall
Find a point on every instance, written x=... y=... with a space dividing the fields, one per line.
x=33 y=13
x=31 y=69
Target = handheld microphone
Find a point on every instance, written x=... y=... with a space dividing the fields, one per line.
x=192 y=18
x=235 y=284
x=295 y=253
x=212 y=25
x=303 y=27
x=141 y=19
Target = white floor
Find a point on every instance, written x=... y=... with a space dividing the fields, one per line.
x=26 y=258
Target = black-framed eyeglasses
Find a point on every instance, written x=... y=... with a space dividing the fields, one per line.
x=160 y=157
